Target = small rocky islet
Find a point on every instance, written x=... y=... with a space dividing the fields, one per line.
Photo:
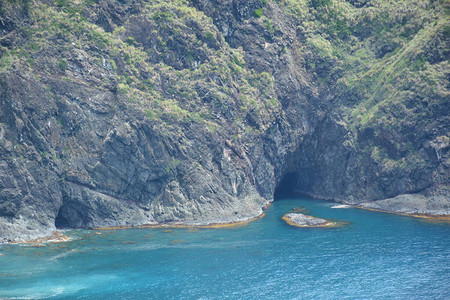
x=302 y=220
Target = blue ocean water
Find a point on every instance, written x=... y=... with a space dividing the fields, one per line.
x=376 y=256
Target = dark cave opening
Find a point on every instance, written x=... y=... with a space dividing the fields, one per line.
x=61 y=221
x=286 y=187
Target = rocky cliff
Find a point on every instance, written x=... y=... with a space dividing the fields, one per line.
x=123 y=113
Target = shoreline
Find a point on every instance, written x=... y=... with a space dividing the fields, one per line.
x=267 y=205
x=414 y=215
x=210 y=225
x=57 y=237
x=437 y=217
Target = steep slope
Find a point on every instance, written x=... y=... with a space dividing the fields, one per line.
x=375 y=78
x=390 y=118
x=141 y=112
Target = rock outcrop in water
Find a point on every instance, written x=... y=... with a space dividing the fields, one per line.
x=301 y=220
x=121 y=113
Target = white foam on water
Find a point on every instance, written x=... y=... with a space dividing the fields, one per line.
x=64 y=254
x=341 y=206
x=33 y=293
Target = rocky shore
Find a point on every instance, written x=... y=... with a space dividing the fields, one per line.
x=432 y=202
x=188 y=224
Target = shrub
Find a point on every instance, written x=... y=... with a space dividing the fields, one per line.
x=162 y=16
x=258 y=13
x=320 y=3
x=208 y=36
x=150 y=114
x=62 y=64
x=130 y=40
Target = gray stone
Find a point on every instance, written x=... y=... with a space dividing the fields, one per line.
x=302 y=220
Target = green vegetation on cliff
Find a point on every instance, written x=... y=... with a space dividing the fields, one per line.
x=383 y=65
x=387 y=64
x=168 y=60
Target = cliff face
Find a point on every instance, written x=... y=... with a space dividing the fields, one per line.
x=365 y=82
x=132 y=112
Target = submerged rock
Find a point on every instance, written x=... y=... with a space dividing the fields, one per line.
x=301 y=210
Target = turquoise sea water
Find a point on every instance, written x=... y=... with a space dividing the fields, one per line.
x=376 y=256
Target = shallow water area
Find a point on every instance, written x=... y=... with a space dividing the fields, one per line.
x=375 y=256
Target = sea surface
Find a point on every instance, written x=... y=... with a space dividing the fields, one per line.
x=376 y=256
